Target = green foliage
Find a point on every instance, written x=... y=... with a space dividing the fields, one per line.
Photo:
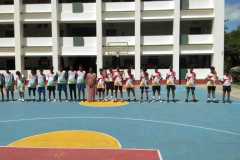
x=232 y=49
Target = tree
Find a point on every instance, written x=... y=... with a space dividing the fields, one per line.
x=232 y=49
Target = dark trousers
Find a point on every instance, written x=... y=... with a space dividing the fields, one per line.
x=73 y=91
x=1 y=90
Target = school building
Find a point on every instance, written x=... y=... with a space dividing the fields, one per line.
x=113 y=33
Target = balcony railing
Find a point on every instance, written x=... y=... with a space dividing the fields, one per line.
x=158 y=5
x=119 y=6
x=37 y=8
x=38 y=42
x=7 y=42
x=196 y=39
x=6 y=9
x=158 y=40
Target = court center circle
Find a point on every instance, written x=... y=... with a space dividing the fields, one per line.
x=105 y=104
x=69 y=139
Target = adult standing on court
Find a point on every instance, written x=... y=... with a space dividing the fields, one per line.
x=32 y=84
x=2 y=84
x=118 y=83
x=144 y=84
x=212 y=79
x=72 y=83
x=171 y=83
x=62 y=83
x=190 y=85
x=81 y=83
x=51 y=85
x=156 y=78
x=109 y=84
x=227 y=83
x=9 y=84
x=91 y=80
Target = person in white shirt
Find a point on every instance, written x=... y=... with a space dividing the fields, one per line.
x=101 y=85
x=72 y=83
x=190 y=84
x=41 y=86
x=62 y=83
x=20 y=84
x=109 y=84
x=9 y=84
x=81 y=83
x=156 y=79
x=212 y=79
x=144 y=84
x=130 y=85
x=51 y=84
x=118 y=83
x=32 y=84
x=171 y=83
x=2 y=84
x=227 y=83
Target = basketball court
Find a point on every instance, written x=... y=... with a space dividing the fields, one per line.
x=147 y=131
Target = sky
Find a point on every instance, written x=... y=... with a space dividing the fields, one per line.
x=232 y=14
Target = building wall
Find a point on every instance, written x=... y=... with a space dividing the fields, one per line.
x=147 y=28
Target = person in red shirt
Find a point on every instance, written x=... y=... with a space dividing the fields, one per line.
x=130 y=85
x=156 y=79
x=190 y=85
x=171 y=83
x=144 y=84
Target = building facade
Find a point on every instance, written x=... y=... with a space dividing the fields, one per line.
x=113 y=33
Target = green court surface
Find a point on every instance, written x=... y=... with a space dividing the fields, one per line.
x=181 y=131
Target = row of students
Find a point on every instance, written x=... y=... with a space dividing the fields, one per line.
x=107 y=85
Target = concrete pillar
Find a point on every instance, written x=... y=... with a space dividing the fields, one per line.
x=18 y=32
x=55 y=35
x=176 y=35
x=99 y=35
x=138 y=6
x=218 y=36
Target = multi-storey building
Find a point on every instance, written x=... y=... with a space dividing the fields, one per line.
x=113 y=33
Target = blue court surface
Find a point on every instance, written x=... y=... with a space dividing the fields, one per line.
x=181 y=131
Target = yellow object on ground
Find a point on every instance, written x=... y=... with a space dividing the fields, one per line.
x=106 y=104
x=69 y=139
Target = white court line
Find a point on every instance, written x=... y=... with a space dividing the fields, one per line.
x=126 y=118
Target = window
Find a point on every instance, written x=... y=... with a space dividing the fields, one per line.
x=123 y=62
x=7 y=63
x=161 y=62
x=195 y=61
x=37 y=63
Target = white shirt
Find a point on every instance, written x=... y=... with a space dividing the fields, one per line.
x=171 y=76
x=71 y=77
x=50 y=78
x=156 y=78
x=212 y=79
x=227 y=80
x=190 y=77
x=41 y=80
x=61 y=77
x=81 y=76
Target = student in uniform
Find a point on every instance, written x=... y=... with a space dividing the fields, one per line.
x=32 y=85
x=190 y=85
x=81 y=83
x=41 y=86
x=156 y=79
x=109 y=84
x=171 y=83
x=101 y=85
x=2 y=84
x=144 y=84
x=9 y=84
x=20 y=85
x=227 y=83
x=62 y=83
x=72 y=82
x=130 y=85
x=212 y=79
x=118 y=84
x=51 y=85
